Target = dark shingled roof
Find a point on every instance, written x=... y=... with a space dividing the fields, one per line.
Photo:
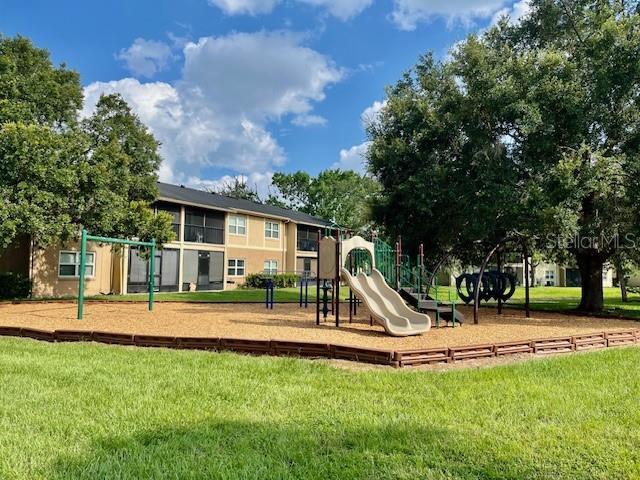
x=182 y=194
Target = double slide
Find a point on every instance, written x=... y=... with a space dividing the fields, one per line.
x=385 y=305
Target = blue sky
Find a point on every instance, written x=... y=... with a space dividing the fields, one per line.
x=249 y=87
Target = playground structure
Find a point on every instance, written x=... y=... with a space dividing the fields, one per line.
x=383 y=279
x=378 y=275
x=385 y=304
x=495 y=285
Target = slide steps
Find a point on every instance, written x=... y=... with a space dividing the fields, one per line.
x=428 y=304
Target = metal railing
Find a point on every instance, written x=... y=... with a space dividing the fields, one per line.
x=199 y=234
x=307 y=245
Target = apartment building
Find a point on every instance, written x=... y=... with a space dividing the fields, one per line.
x=219 y=240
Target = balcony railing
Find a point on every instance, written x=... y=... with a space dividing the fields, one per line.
x=307 y=245
x=198 y=234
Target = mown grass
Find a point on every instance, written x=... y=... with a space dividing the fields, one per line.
x=542 y=298
x=84 y=411
x=239 y=295
x=561 y=299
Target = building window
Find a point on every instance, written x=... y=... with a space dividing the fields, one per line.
x=237 y=225
x=550 y=278
x=271 y=267
x=271 y=229
x=235 y=267
x=69 y=264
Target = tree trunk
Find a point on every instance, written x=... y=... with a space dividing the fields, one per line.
x=527 y=284
x=499 y=262
x=590 y=266
x=623 y=281
x=623 y=288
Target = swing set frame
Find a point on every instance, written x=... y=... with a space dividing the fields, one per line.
x=85 y=237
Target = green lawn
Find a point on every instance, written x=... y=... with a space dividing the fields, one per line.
x=238 y=295
x=542 y=298
x=562 y=299
x=71 y=411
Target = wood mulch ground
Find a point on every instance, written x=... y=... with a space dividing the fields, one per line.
x=289 y=322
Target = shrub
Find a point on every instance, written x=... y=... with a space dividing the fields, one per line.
x=281 y=280
x=254 y=280
x=14 y=285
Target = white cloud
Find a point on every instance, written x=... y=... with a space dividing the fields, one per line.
x=266 y=74
x=341 y=9
x=145 y=58
x=218 y=113
x=408 y=13
x=306 y=120
x=244 y=7
x=353 y=158
x=370 y=114
x=515 y=12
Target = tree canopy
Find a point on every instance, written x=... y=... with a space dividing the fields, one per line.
x=527 y=132
x=59 y=173
x=238 y=188
x=343 y=196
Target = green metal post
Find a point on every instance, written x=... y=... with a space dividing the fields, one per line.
x=83 y=266
x=152 y=273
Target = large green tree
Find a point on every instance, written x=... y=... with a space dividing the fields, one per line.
x=59 y=174
x=32 y=90
x=447 y=178
x=343 y=196
x=557 y=96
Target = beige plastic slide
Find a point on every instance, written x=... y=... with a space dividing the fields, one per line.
x=385 y=304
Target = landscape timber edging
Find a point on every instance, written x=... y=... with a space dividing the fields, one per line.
x=394 y=358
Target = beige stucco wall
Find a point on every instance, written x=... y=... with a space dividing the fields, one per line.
x=233 y=239
x=254 y=261
x=255 y=231
x=255 y=237
x=47 y=282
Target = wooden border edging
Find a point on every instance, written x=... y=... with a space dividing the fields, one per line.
x=398 y=358
x=513 y=348
x=590 y=341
